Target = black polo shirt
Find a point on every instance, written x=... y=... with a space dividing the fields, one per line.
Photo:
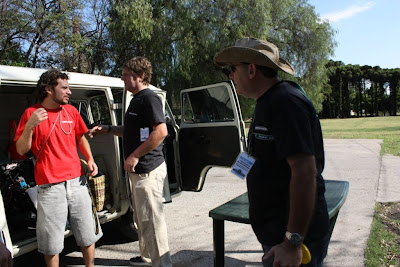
x=144 y=111
x=285 y=123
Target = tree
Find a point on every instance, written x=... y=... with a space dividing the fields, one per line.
x=12 y=24
x=180 y=37
x=394 y=82
x=369 y=91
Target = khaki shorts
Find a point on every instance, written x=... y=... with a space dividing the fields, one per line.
x=59 y=202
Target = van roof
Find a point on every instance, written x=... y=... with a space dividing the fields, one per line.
x=32 y=75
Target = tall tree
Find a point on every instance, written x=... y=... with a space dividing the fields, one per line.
x=197 y=29
x=12 y=31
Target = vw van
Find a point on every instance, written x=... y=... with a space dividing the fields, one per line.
x=210 y=133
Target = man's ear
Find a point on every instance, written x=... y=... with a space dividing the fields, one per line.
x=49 y=89
x=252 y=70
x=141 y=78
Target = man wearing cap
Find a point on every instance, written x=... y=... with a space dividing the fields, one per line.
x=287 y=206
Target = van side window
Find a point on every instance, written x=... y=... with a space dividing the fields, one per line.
x=81 y=106
x=95 y=111
x=100 y=110
x=207 y=105
x=118 y=98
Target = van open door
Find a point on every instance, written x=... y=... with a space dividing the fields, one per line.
x=211 y=132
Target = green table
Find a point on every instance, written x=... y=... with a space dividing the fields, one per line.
x=237 y=210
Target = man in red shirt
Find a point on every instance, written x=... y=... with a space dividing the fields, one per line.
x=53 y=130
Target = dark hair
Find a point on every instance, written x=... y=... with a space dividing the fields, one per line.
x=49 y=78
x=139 y=66
x=268 y=72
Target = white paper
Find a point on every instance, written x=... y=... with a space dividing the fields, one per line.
x=242 y=165
x=144 y=134
x=32 y=192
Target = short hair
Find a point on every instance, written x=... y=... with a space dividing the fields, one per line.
x=49 y=78
x=268 y=72
x=140 y=66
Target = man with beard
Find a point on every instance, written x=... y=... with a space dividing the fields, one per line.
x=53 y=130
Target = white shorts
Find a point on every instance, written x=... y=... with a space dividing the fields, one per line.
x=57 y=202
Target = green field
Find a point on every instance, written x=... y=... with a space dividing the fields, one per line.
x=386 y=128
x=382 y=248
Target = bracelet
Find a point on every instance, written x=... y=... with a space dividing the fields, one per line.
x=109 y=128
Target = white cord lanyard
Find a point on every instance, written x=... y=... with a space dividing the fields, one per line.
x=69 y=122
x=52 y=128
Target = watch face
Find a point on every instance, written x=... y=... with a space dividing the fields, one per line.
x=294 y=238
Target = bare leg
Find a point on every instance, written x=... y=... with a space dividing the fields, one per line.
x=88 y=255
x=51 y=260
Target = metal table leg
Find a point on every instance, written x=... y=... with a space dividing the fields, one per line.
x=219 y=246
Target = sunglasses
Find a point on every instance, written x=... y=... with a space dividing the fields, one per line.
x=233 y=67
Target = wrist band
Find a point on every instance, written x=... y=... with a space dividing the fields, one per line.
x=109 y=128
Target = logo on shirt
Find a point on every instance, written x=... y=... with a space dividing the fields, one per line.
x=132 y=113
x=261 y=128
x=264 y=137
x=262 y=133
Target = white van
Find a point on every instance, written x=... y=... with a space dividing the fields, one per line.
x=211 y=133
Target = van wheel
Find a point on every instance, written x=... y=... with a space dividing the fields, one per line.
x=128 y=228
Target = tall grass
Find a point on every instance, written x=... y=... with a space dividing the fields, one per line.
x=386 y=128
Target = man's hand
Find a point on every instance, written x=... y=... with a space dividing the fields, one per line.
x=92 y=167
x=5 y=256
x=285 y=255
x=37 y=117
x=130 y=163
x=99 y=129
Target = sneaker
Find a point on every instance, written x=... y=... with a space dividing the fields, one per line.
x=138 y=261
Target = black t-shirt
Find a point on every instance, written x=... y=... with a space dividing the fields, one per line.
x=144 y=111
x=285 y=123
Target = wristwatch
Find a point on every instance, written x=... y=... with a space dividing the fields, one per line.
x=294 y=238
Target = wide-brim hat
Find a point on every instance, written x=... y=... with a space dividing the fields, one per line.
x=251 y=50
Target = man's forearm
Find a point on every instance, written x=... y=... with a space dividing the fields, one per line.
x=302 y=193
x=24 y=142
x=84 y=148
x=116 y=130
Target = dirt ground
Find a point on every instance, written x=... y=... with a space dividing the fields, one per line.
x=389 y=215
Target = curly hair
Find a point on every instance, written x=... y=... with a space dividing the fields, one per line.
x=49 y=78
x=140 y=66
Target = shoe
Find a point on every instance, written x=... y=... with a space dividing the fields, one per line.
x=138 y=261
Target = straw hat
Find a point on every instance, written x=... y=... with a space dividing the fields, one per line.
x=251 y=50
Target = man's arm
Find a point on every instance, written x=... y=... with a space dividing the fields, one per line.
x=103 y=129
x=84 y=148
x=302 y=201
x=302 y=192
x=5 y=256
x=154 y=140
x=24 y=142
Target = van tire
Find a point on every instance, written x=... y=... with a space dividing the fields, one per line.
x=127 y=226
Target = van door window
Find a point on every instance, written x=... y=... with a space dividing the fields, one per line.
x=209 y=105
x=82 y=107
x=100 y=110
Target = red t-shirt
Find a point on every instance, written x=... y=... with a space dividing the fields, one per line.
x=58 y=161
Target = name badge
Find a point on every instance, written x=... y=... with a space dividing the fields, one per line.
x=144 y=134
x=242 y=165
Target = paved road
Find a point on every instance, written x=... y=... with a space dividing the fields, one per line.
x=190 y=228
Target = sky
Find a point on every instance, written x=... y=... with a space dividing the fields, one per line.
x=367 y=31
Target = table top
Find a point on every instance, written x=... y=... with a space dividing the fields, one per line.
x=237 y=209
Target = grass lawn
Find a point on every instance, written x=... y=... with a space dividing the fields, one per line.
x=386 y=128
x=383 y=243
